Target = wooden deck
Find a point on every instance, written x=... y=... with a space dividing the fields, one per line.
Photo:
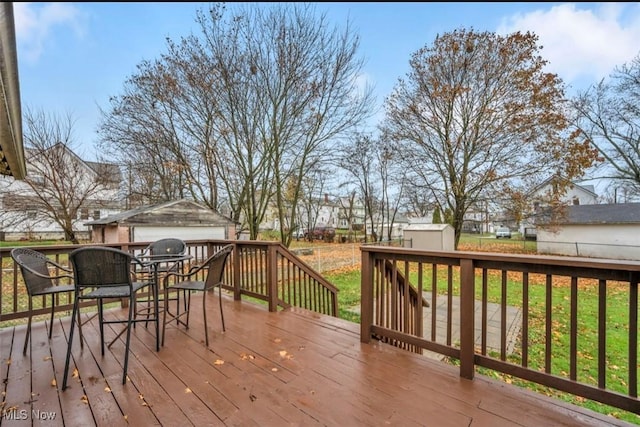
x=268 y=369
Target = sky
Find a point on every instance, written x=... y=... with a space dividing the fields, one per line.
x=72 y=57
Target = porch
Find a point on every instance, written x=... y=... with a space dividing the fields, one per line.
x=287 y=367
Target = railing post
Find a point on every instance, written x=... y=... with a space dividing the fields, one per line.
x=237 y=253
x=467 y=315
x=272 y=277
x=366 y=296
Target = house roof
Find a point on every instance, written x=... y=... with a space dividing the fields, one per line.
x=181 y=212
x=620 y=213
x=12 y=160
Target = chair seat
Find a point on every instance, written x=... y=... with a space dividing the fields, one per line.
x=189 y=285
x=54 y=290
x=114 y=291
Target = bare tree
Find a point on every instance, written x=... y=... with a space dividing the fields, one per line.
x=59 y=184
x=245 y=108
x=608 y=114
x=477 y=115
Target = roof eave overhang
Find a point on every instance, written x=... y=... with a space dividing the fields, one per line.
x=12 y=161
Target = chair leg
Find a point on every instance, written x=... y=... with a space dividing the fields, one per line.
x=100 y=322
x=221 y=312
x=187 y=298
x=26 y=339
x=165 y=310
x=204 y=311
x=52 y=312
x=70 y=343
x=80 y=329
x=132 y=309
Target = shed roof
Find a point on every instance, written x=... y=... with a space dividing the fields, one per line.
x=426 y=227
x=181 y=212
x=619 y=213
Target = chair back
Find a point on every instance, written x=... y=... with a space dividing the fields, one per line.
x=215 y=265
x=34 y=268
x=169 y=245
x=96 y=266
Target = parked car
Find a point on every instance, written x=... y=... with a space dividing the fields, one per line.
x=321 y=233
x=503 y=233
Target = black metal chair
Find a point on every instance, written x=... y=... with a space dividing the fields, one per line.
x=165 y=246
x=213 y=267
x=106 y=273
x=39 y=281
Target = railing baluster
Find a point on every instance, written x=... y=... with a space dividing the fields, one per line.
x=602 y=333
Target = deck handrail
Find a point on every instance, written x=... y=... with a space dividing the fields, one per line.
x=467 y=276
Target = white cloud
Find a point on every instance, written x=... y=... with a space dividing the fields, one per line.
x=583 y=45
x=35 y=23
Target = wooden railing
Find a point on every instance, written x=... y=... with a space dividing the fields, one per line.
x=568 y=339
x=266 y=271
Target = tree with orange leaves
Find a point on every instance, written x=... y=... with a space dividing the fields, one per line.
x=479 y=119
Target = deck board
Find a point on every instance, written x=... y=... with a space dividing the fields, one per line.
x=292 y=367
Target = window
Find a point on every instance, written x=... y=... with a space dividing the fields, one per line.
x=84 y=213
x=96 y=214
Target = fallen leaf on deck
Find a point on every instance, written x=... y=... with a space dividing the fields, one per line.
x=107 y=389
x=54 y=382
x=274 y=369
x=75 y=373
x=285 y=355
x=187 y=390
x=84 y=399
x=277 y=340
x=9 y=361
x=47 y=358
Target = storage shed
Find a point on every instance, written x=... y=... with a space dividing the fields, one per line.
x=429 y=237
x=185 y=219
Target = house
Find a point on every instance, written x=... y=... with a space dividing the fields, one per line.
x=600 y=231
x=540 y=197
x=575 y=194
x=185 y=219
x=90 y=190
